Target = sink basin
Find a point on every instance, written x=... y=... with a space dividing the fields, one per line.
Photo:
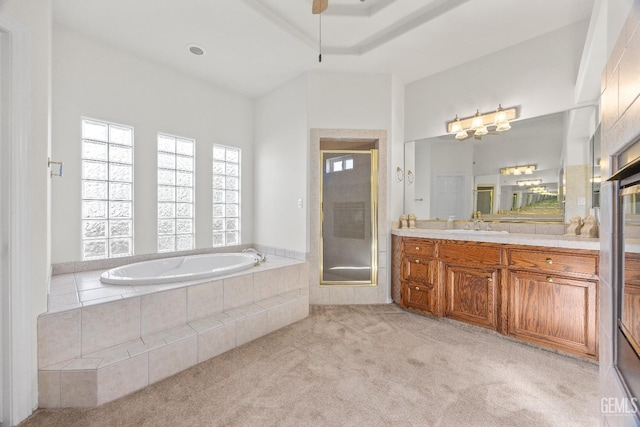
x=477 y=232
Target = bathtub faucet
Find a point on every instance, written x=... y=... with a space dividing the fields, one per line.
x=261 y=257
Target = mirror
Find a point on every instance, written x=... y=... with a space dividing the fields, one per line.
x=463 y=178
x=596 y=177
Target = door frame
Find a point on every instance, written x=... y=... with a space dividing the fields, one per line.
x=373 y=190
x=17 y=334
x=485 y=188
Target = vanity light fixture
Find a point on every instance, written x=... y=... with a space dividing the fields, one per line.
x=529 y=183
x=518 y=170
x=478 y=125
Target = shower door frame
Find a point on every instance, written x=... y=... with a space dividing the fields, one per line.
x=373 y=189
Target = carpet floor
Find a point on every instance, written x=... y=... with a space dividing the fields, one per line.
x=374 y=365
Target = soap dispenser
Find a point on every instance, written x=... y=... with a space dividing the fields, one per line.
x=450 y=222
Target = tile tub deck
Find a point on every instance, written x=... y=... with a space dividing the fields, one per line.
x=100 y=342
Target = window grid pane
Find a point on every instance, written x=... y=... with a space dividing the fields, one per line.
x=107 y=190
x=175 y=193
x=226 y=196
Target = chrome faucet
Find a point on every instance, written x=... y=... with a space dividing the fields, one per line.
x=260 y=257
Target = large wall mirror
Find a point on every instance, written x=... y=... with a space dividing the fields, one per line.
x=460 y=178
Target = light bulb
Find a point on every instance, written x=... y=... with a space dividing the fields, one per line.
x=462 y=135
x=477 y=121
x=501 y=121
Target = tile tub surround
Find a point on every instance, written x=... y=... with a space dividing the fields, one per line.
x=98 y=349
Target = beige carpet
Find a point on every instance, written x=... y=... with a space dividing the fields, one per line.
x=363 y=366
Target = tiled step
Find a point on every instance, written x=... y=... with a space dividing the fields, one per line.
x=96 y=354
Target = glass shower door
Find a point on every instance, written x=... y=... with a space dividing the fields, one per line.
x=349 y=217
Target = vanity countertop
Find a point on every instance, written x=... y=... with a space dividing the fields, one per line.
x=550 y=240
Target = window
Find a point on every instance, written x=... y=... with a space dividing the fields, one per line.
x=226 y=196
x=175 y=193
x=339 y=164
x=107 y=190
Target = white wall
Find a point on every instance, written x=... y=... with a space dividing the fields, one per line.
x=396 y=147
x=94 y=80
x=350 y=101
x=538 y=75
x=281 y=168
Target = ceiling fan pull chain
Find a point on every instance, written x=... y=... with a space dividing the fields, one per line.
x=320 y=38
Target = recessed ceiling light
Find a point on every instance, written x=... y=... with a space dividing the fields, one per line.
x=195 y=49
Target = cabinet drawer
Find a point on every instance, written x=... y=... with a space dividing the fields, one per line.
x=419 y=247
x=419 y=297
x=418 y=270
x=554 y=262
x=471 y=254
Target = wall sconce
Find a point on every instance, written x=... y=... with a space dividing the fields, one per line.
x=478 y=125
x=529 y=183
x=399 y=174
x=518 y=170
x=410 y=177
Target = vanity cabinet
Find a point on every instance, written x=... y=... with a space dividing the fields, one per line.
x=471 y=279
x=546 y=296
x=553 y=298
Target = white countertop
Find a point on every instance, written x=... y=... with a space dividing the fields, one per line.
x=554 y=241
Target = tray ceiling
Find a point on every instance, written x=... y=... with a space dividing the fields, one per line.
x=254 y=46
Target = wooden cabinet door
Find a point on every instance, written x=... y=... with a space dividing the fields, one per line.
x=470 y=294
x=554 y=311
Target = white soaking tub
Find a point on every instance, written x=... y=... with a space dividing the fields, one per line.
x=180 y=269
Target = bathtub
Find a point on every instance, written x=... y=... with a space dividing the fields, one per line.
x=179 y=269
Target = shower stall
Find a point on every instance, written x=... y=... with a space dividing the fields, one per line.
x=348 y=204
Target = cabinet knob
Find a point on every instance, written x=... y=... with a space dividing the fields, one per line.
x=549 y=261
x=489 y=279
x=550 y=279
x=417 y=288
x=417 y=248
x=417 y=261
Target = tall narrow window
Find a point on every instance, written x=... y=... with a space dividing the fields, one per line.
x=107 y=190
x=175 y=193
x=226 y=196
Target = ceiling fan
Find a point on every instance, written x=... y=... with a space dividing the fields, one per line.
x=319 y=6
